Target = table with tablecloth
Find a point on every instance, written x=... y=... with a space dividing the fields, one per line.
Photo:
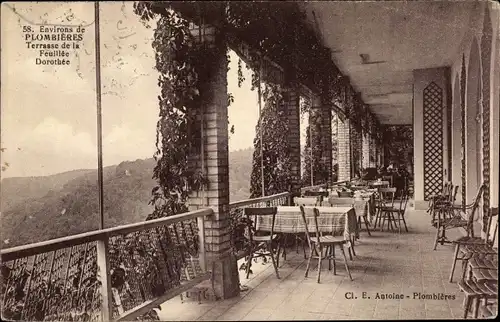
x=364 y=204
x=332 y=220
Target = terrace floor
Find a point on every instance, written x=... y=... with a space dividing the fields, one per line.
x=386 y=262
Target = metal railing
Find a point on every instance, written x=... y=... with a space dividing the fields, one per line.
x=118 y=273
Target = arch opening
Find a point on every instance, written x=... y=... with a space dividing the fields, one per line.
x=473 y=124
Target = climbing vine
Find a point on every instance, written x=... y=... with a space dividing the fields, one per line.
x=274 y=146
x=183 y=72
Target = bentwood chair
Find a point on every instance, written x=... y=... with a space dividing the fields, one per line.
x=261 y=245
x=318 y=242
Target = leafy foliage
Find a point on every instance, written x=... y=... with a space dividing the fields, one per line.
x=400 y=151
x=181 y=61
x=273 y=148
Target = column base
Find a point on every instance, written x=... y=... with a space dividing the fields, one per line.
x=421 y=204
x=226 y=277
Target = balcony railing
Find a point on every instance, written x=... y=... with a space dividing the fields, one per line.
x=118 y=273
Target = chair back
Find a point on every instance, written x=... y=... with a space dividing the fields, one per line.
x=254 y=214
x=386 y=196
x=453 y=195
x=314 y=213
x=473 y=208
x=403 y=201
x=492 y=236
x=387 y=178
x=307 y=201
x=445 y=188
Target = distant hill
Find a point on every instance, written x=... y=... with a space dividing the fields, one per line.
x=18 y=189
x=240 y=169
x=41 y=208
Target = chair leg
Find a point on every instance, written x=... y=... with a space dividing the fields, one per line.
x=454 y=264
x=477 y=300
x=404 y=221
x=249 y=262
x=366 y=225
x=334 y=263
x=437 y=237
x=353 y=250
x=350 y=252
x=329 y=254
x=309 y=260
x=270 y=248
x=320 y=257
x=467 y=305
x=278 y=252
x=377 y=217
x=345 y=261
x=304 y=248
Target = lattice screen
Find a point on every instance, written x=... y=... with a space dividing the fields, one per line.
x=433 y=140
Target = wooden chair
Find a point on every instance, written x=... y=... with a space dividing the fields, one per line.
x=453 y=217
x=475 y=291
x=441 y=205
x=332 y=202
x=310 y=201
x=385 y=200
x=474 y=251
x=262 y=245
x=397 y=213
x=320 y=242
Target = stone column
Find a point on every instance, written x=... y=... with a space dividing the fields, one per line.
x=292 y=98
x=366 y=150
x=211 y=120
x=344 y=150
x=321 y=131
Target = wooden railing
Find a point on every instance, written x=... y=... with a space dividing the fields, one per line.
x=236 y=217
x=118 y=273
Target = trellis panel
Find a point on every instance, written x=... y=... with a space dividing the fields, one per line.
x=433 y=140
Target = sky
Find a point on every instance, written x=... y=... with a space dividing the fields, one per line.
x=48 y=113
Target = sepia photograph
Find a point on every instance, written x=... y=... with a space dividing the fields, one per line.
x=249 y=160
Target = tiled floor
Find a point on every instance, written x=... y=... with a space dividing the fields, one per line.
x=385 y=263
